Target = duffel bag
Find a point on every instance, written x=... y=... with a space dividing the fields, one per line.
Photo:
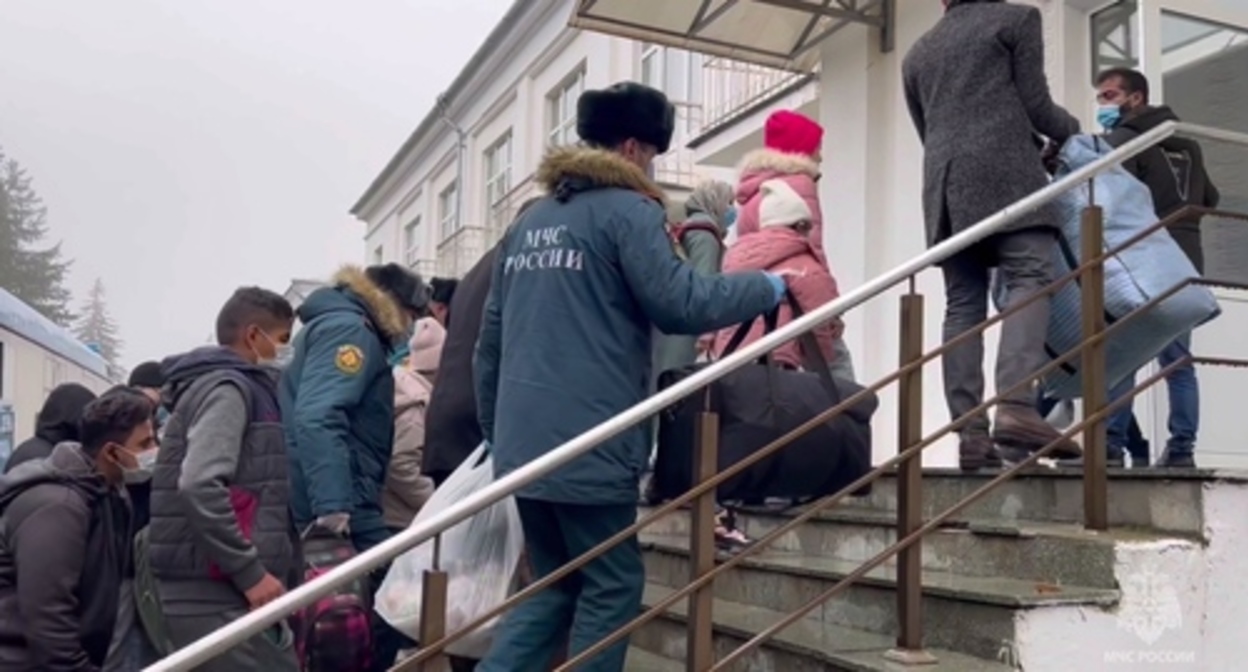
x=757 y=404
x=1133 y=277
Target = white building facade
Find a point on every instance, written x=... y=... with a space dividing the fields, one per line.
x=446 y=196
x=840 y=63
x=35 y=357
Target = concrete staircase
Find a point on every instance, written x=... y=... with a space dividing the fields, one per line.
x=1014 y=572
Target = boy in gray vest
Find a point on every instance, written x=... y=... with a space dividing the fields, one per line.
x=222 y=541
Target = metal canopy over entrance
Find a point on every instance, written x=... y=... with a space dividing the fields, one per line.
x=775 y=33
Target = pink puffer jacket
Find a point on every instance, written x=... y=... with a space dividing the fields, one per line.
x=783 y=250
x=767 y=164
x=406 y=490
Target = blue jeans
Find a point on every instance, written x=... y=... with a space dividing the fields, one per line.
x=1184 y=393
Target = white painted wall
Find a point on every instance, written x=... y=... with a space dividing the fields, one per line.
x=872 y=189
x=1182 y=605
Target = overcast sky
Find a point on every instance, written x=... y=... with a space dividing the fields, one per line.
x=186 y=147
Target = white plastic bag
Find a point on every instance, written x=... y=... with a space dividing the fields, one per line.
x=480 y=556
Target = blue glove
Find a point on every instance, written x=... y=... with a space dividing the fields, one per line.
x=777 y=285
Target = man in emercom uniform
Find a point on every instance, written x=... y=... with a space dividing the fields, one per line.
x=579 y=281
x=1175 y=174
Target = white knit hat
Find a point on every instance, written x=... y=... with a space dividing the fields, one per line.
x=426 y=345
x=781 y=206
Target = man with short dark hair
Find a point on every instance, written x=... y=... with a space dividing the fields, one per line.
x=977 y=93
x=580 y=281
x=66 y=539
x=222 y=541
x=337 y=400
x=1174 y=171
x=441 y=290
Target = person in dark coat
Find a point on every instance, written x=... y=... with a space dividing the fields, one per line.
x=580 y=281
x=337 y=404
x=57 y=422
x=452 y=430
x=1175 y=173
x=65 y=541
x=977 y=93
x=441 y=292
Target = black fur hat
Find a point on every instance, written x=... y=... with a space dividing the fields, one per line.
x=626 y=110
x=405 y=286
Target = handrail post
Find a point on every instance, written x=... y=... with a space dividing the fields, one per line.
x=700 y=655
x=909 y=650
x=1095 y=387
x=433 y=608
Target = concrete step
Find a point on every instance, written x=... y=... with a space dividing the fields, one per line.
x=1058 y=553
x=807 y=646
x=1165 y=500
x=641 y=660
x=970 y=614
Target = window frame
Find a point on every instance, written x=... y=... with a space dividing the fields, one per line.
x=448 y=211
x=412 y=242
x=561 y=108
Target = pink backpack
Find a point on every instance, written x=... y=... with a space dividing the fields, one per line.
x=336 y=633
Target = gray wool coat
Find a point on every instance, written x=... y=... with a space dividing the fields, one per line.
x=976 y=90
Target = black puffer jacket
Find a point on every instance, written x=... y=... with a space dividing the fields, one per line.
x=58 y=421
x=65 y=541
x=1174 y=171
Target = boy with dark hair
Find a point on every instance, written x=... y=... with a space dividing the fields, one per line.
x=221 y=541
x=65 y=540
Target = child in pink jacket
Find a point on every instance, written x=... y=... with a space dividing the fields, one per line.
x=791 y=152
x=783 y=244
x=406 y=490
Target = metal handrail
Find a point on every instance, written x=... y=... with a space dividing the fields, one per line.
x=432 y=648
x=258 y=620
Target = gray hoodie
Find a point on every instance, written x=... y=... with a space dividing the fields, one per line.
x=55 y=516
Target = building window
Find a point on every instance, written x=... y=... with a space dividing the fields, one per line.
x=448 y=211
x=561 y=109
x=412 y=234
x=652 y=65
x=497 y=172
x=1115 y=37
x=379 y=255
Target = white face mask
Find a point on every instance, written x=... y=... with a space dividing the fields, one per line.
x=285 y=353
x=142 y=473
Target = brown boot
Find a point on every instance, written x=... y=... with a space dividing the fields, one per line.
x=977 y=452
x=1020 y=426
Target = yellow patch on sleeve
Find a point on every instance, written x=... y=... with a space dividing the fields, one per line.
x=349 y=359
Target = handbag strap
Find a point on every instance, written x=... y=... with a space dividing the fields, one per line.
x=770 y=319
x=812 y=355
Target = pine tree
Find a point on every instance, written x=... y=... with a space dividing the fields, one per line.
x=96 y=327
x=33 y=274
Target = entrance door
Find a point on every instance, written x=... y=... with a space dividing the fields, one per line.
x=1195 y=54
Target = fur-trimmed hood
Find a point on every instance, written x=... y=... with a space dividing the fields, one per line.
x=761 y=165
x=797 y=170
x=567 y=170
x=382 y=310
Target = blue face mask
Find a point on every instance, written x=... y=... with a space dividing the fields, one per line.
x=730 y=217
x=1109 y=116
